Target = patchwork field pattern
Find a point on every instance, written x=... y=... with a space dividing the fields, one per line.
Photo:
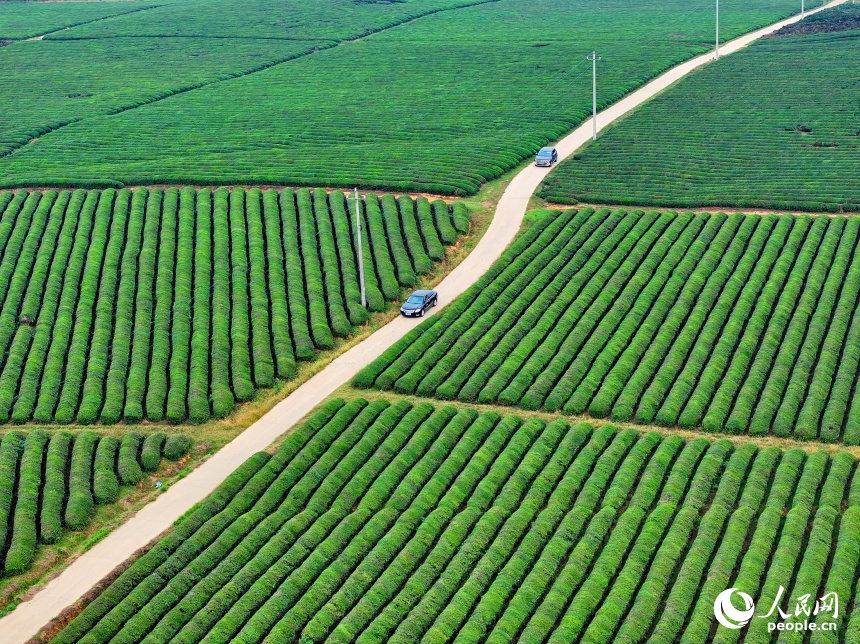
x=742 y=324
x=769 y=141
x=31 y=19
x=441 y=104
x=174 y=304
x=269 y=19
x=84 y=72
x=51 y=482
x=398 y=523
x=58 y=89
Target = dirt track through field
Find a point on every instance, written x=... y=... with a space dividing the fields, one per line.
x=30 y=616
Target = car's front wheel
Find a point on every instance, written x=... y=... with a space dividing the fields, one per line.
x=421 y=313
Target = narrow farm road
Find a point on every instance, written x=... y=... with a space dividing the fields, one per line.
x=30 y=616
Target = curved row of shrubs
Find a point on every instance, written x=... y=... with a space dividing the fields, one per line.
x=52 y=482
x=398 y=522
x=171 y=305
x=739 y=324
x=772 y=149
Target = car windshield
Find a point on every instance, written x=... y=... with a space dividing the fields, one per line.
x=415 y=299
x=544 y=153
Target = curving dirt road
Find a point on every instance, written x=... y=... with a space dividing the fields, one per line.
x=30 y=616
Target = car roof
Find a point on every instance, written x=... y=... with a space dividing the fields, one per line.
x=423 y=292
x=547 y=148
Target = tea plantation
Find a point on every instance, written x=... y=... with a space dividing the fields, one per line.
x=131 y=293
x=751 y=130
x=174 y=304
x=440 y=104
x=49 y=483
x=397 y=523
x=58 y=90
x=742 y=324
x=19 y=20
x=167 y=48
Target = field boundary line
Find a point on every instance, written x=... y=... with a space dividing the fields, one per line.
x=705 y=210
x=84 y=24
x=65 y=589
x=761 y=442
x=324 y=44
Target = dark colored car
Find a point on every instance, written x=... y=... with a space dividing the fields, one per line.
x=418 y=302
x=546 y=156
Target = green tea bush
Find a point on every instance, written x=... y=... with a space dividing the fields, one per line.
x=440 y=126
x=128 y=464
x=54 y=490
x=171 y=304
x=737 y=324
x=79 y=506
x=176 y=446
x=105 y=480
x=788 y=152
x=51 y=483
x=150 y=453
x=395 y=522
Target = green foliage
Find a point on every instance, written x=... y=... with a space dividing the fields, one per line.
x=24 y=527
x=221 y=391
x=171 y=305
x=54 y=492
x=288 y=19
x=225 y=494
x=136 y=385
x=150 y=453
x=79 y=506
x=28 y=20
x=121 y=347
x=105 y=480
x=61 y=91
x=461 y=217
x=50 y=483
x=739 y=324
x=401 y=523
x=128 y=465
x=787 y=149
x=445 y=123
x=176 y=446
x=103 y=324
x=533 y=216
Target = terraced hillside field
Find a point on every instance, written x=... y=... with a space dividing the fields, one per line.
x=174 y=304
x=769 y=140
x=742 y=324
x=51 y=483
x=396 y=523
x=329 y=92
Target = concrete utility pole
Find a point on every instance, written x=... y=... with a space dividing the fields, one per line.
x=717 y=45
x=358 y=245
x=593 y=57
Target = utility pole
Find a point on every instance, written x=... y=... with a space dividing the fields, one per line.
x=802 y=8
x=358 y=245
x=717 y=45
x=593 y=57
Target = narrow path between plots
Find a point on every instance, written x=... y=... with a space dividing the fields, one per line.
x=87 y=570
x=324 y=44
